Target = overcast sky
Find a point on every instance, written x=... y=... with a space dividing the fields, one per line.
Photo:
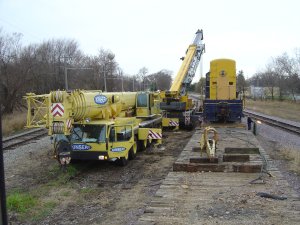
x=156 y=33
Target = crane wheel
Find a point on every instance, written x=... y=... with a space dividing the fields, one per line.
x=132 y=151
x=122 y=161
x=141 y=145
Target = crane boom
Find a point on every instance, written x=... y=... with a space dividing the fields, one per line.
x=189 y=65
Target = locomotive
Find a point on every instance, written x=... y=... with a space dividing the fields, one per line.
x=221 y=102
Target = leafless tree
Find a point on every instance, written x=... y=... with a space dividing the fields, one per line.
x=288 y=78
x=16 y=66
x=200 y=87
x=160 y=80
x=241 y=82
x=141 y=76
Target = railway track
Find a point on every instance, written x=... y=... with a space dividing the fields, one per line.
x=20 y=139
x=275 y=122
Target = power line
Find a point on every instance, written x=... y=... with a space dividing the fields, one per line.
x=20 y=30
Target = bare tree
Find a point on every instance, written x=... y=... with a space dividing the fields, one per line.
x=269 y=79
x=160 y=80
x=41 y=68
x=142 y=75
x=16 y=67
x=241 y=82
x=285 y=67
x=200 y=87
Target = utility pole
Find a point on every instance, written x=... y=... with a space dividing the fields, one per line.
x=66 y=79
x=73 y=68
x=3 y=215
x=105 y=89
x=133 y=84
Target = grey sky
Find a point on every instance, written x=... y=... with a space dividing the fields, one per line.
x=156 y=33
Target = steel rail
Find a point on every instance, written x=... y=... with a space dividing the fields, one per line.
x=22 y=138
x=273 y=122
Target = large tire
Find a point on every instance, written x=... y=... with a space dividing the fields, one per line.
x=122 y=161
x=141 y=145
x=63 y=150
x=132 y=151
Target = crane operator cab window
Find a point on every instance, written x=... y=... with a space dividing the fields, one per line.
x=88 y=133
x=142 y=100
x=120 y=133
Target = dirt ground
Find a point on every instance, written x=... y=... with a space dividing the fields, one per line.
x=102 y=192
x=97 y=192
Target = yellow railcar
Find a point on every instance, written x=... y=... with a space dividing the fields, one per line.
x=222 y=79
x=221 y=103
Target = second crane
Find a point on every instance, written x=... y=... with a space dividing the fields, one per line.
x=178 y=108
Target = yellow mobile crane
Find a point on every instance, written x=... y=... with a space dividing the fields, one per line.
x=97 y=125
x=178 y=108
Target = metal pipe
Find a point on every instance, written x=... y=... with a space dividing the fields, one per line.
x=104 y=78
x=66 y=78
x=3 y=215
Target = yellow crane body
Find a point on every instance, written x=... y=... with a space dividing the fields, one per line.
x=97 y=125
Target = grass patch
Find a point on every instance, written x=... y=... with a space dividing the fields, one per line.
x=293 y=156
x=20 y=202
x=63 y=176
x=43 y=211
x=87 y=191
x=283 y=109
x=13 y=123
x=35 y=204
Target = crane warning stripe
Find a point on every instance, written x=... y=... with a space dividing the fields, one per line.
x=69 y=123
x=154 y=135
x=173 y=123
x=57 y=109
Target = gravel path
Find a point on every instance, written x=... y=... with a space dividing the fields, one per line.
x=24 y=164
x=276 y=142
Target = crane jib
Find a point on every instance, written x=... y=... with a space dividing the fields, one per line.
x=189 y=65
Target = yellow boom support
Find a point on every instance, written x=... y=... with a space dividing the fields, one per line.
x=177 y=84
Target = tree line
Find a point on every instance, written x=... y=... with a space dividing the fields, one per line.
x=282 y=73
x=43 y=67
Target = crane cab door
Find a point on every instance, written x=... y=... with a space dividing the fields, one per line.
x=120 y=141
x=144 y=104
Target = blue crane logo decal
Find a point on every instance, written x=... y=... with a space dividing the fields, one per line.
x=100 y=99
x=81 y=147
